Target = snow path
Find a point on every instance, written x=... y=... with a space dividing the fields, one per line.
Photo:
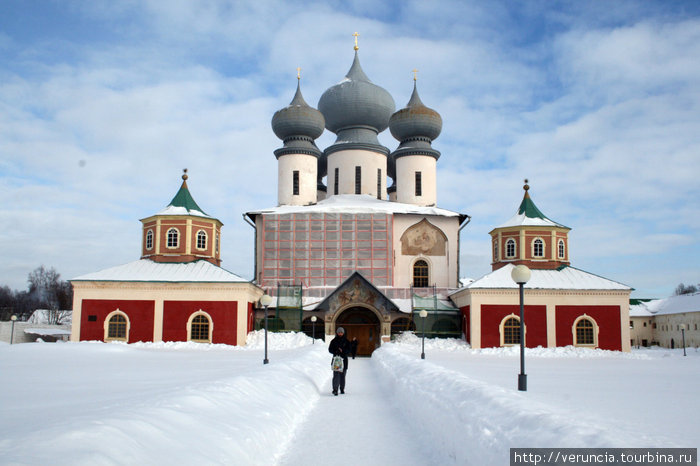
x=360 y=427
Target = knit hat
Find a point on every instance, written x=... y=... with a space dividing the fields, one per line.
x=340 y=330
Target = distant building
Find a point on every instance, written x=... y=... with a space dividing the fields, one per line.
x=176 y=292
x=665 y=322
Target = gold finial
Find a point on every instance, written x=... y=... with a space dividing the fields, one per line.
x=356 y=34
x=184 y=175
x=298 y=73
x=415 y=74
x=526 y=187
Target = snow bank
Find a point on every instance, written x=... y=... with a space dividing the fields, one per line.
x=479 y=421
x=408 y=340
x=247 y=418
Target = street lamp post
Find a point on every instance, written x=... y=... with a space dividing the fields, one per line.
x=313 y=329
x=423 y=313
x=266 y=300
x=12 y=331
x=683 y=337
x=521 y=275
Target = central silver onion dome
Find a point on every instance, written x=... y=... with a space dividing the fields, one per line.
x=356 y=110
x=298 y=124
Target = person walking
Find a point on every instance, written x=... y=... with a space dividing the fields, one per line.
x=340 y=346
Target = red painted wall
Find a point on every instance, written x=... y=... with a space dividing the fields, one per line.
x=535 y=324
x=607 y=318
x=223 y=314
x=140 y=314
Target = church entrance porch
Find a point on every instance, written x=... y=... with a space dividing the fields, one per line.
x=363 y=324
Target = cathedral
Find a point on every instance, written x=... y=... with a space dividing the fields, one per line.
x=356 y=240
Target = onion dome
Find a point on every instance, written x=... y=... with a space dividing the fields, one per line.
x=356 y=110
x=298 y=124
x=415 y=127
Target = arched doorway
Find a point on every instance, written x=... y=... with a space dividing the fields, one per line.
x=363 y=324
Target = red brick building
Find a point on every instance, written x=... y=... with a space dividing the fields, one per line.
x=177 y=291
x=563 y=305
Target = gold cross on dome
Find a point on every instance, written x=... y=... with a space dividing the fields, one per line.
x=415 y=74
x=356 y=35
x=298 y=72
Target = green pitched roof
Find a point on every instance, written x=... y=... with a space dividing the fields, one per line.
x=183 y=198
x=529 y=208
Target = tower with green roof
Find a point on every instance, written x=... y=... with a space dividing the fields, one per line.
x=181 y=232
x=530 y=238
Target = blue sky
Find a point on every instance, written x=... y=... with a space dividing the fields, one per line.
x=103 y=103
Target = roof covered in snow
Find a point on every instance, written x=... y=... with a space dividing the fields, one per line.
x=672 y=305
x=563 y=278
x=145 y=270
x=357 y=203
x=529 y=215
x=183 y=203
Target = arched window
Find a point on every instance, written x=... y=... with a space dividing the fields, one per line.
x=117 y=327
x=199 y=329
x=510 y=248
x=217 y=242
x=201 y=239
x=561 y=249
x=420 y=274
x=585 y=332
x=511 y=331
x=149 y=239
x=538 y=248
x=495 y=251
x=402 y=324
x=173 y=238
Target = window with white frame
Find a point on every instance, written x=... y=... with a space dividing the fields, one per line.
x=173 y=239
x=117 y=327
x=561 y=249
x=585 y=332
x=420 y=274
x=495 y=251
x=511 y=331
x=201 y=239
x=510 y=248
x=149 y=239
x=538 y=248
x=199 y=329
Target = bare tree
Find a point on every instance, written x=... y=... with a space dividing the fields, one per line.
x=51 y=293
x=685 y=289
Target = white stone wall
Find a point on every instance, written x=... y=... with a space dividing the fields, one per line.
x=442 y=269
x=346 y=161
x=406 y=168
x=307 y=165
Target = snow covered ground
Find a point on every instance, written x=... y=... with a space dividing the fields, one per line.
x=179 y=403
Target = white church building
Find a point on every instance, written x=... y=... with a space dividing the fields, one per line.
x=356 y=240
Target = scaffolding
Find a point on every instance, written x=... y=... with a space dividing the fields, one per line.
x=287 y=315
x=442 y=320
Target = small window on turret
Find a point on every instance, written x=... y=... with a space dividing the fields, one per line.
x=201 y=239
x=510 y=248
x=538 y=248
x=419 y=184
x=335 y=181
x=173 y=239
x=358 y=180
x=561 y=249
x=149 y=239
x=295 y=182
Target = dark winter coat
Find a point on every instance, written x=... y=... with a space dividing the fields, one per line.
x=340 y=346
